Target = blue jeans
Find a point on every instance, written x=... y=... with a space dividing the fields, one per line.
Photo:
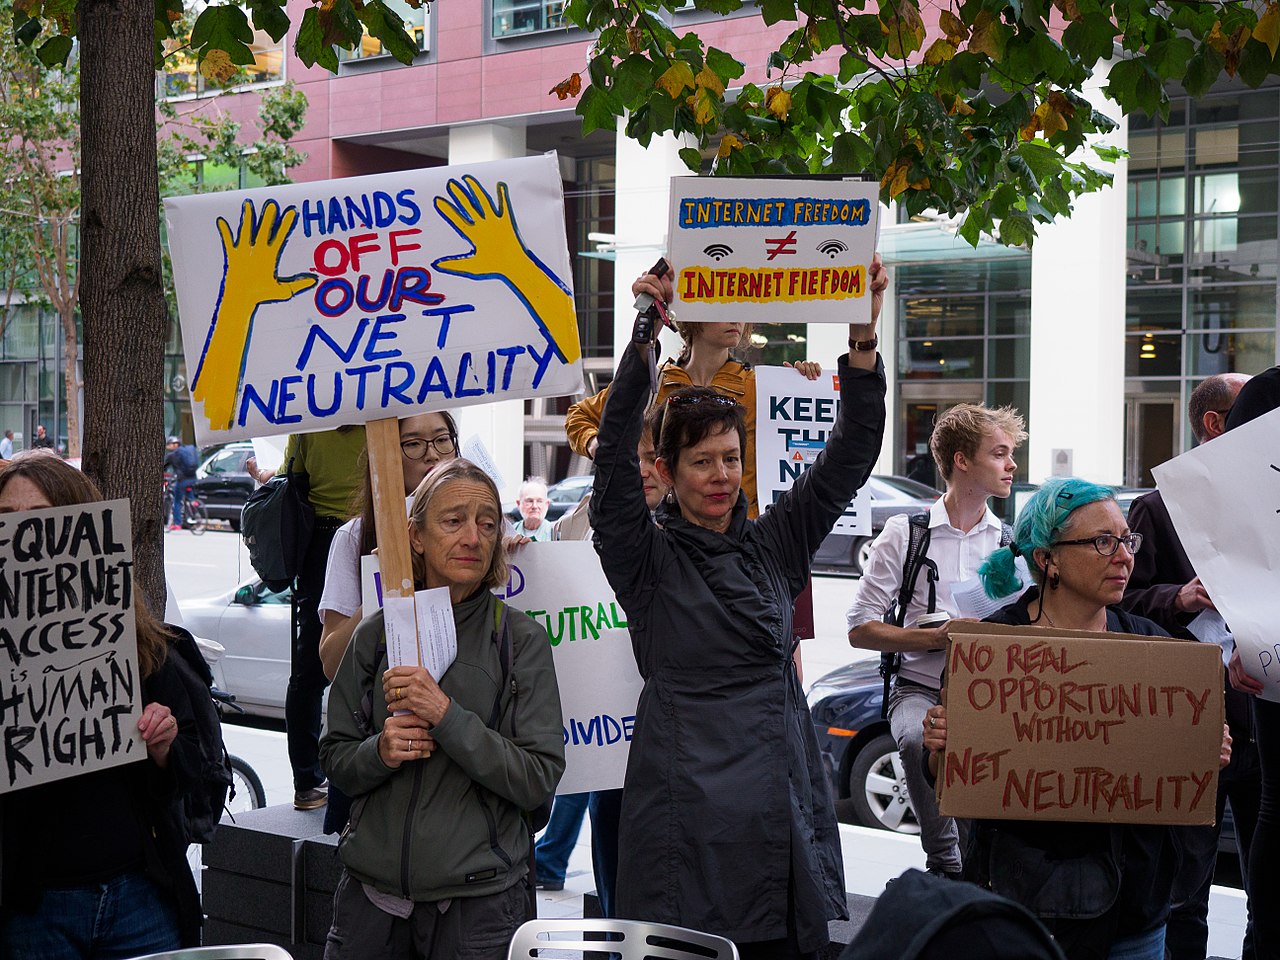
x=1140 y=946
x=552 y=851
x=181 y=490
x=128 y=916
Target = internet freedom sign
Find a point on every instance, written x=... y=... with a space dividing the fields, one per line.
x=745 y=249
x=595 y=665
x=70 y=691
x=313 y=305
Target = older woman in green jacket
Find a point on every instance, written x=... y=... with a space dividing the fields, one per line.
x=436 y=853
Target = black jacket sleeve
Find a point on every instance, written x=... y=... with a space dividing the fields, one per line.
x=624 y=535
x=795 y=526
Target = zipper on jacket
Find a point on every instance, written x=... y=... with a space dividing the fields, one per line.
x=493 y=828
x=408 y=828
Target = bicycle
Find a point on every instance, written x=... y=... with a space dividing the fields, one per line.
x=246 y=785
x=195 y=515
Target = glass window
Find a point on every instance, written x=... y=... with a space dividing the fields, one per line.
x=1152 y=355
x=1217 y=146
x=1163 y=196
x=1016 y=394
x=941 y=359
x=1154 y=310
x=1009 y=356
x=1161 y=148
x=1235 y=108
x=415 y=21
x=182 y=76
x=1166 y=239
x=774 y=343
x=22 y=332
x=943 y=316
x=1213 y=352
x=1233 y=307
x=514 y=17
x=1010 y=316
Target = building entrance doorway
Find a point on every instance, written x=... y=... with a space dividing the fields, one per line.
x=1150 y=436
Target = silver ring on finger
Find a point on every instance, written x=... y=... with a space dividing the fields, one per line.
x=932 y=722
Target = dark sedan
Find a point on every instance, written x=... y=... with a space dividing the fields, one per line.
x=223 y=484
x=890 y=495
x=858 y=752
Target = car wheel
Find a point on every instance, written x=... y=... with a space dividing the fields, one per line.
x=859 y=554
x=878 y=788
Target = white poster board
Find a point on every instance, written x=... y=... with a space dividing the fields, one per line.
x=595 y=665
x=743 y=248
x=794 y=418
x=312 y=305
x=1224 y=499
x=71 y=695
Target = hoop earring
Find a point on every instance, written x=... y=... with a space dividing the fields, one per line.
x=670 y=497
x=1054 y=580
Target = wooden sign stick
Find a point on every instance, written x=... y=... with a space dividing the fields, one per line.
x=382 y=437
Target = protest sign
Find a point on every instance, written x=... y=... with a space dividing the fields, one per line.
x=71 y=694
x=794 y=417
x=1047 y=724
x=595 y=665
x=1224 y=500
x=308 y=306
x=743 y=248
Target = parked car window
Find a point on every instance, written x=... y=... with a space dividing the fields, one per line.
x=228 y=461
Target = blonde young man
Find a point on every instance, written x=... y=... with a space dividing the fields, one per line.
x=973 y=447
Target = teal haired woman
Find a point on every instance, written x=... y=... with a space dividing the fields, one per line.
x=1102 y=889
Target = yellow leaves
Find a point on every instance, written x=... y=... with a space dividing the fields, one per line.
x=1231 y=46
x=728 y=144
x=703 y=105
x=987 y=37
x=954 y=104
x=778 y=102
x=217 y=66
x=707 y=79
x=1050 y=117
x=953 y=27
x=904 y=30
x=571 y=86
x=677 y=78
x=1267 y=29
x=895 y=178
x=635 y=39
x=940 y=51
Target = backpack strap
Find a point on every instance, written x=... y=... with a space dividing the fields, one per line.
x=501 y=637
x=915 y=558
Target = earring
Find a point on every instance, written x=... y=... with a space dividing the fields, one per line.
x=1054 y=580
x=671 y=497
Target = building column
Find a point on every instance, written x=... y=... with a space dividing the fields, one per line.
x=642 y=204
x=500 y=426
x=1076 y=421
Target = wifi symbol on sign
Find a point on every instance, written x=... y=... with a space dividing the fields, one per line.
x=832 y=248
x=717 y=251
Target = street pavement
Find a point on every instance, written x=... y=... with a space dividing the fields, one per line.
x=216 y=562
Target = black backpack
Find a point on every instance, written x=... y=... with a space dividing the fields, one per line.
x=917 y=557
x=276 y=523
x=202 y=802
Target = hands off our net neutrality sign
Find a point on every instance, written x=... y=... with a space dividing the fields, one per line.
x=743 y=247
x=313 y=305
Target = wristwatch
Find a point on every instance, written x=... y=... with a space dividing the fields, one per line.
x=864 y=346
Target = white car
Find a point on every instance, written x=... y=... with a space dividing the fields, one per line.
x=252 y=624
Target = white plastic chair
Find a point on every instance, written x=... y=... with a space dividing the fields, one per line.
x=238 y=951
x=630 y=939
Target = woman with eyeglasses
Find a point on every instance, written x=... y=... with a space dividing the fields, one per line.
x=727 y=822
x=1103 y=890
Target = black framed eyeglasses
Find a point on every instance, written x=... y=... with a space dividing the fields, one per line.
x=415 y=448
x=1106 y=543
x=687 y=400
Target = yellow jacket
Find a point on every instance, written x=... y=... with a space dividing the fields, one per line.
x=735 y=379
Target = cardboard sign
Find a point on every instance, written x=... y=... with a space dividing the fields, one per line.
x=312 y=305
x=744 y=247
x=70 y=690
x=794 y=417
x=1224 y=500
x=1049 y=724
x=595 y=666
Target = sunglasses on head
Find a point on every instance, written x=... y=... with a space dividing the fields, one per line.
x=685 y=400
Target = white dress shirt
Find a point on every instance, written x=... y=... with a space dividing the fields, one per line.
x=957 y=554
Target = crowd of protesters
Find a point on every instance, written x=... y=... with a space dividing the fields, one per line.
x=725 y=822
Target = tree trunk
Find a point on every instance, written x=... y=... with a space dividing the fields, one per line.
x=121 y=293
x=71 y=376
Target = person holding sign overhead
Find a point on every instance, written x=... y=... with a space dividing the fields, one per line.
x=95 y=865
x=436 y=854
x=1103 y=890
x=727 y=819
x=706 y=360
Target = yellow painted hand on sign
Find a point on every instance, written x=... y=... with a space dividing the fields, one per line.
x=498 y=253
x=249 y=279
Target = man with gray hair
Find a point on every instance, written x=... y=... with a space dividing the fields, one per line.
x=1164 y=587
x=532 y=502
